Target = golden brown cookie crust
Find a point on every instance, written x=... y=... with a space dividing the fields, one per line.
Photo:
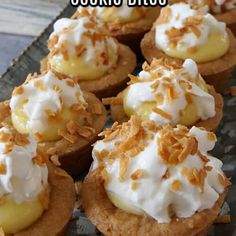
x=211 y=124
x=114 y=81
x=229 y=18
x=54 y=221
x=74 y=157
x=113 y=221
x=214 y=72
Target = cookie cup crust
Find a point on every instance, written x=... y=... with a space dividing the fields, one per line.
x=54 y=221
x=216 y=73
x=113 y=221
x=73 y=157
x=229 y=18
x=111 y=83
x=118 y=114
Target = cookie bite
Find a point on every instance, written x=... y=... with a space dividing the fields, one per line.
x=183 y=32
x=127 y=24
x=224 y=10
x=64 y=119
x=36 y=197
x=169 y=93
x=82 y=50
x=148 y=179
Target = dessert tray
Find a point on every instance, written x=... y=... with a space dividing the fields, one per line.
x=28 y=62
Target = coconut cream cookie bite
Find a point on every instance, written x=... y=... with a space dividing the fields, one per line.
x=183 y=32
x=169 y=93
x=82 y=50
x=127 y=24
x=64 y=119
x=36 y=197
x=148 y=179
x=223 y=10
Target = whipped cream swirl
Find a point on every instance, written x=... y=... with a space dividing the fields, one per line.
x=21 y=179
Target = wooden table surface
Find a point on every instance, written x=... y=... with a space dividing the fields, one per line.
x=20 y=22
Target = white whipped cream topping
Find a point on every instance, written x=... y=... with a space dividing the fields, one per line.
x=154 y=196
x=52 y=96
x=141 y=92
x=23 y=180
x=75 y=32
x=179 y=13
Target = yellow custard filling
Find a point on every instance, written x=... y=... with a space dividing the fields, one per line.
x=188 y=116
x=217 y=45
x=75 y=67
x=16 y=217
x=110 y=15
x=55 y=123
x=119 y=203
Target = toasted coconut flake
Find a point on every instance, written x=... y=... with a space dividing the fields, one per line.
x=162 y=113
x=55 y=160
x=80 y=50
x=70 y=138
x=70 y=83
x=4 y=137
x=195 y=177
x=155 y=85
x=39 y=84
x=176 y=186
x=52 y=151
x=20 y=139
x=124 y=162
x=203 y=157
x=159 y=98
x=185 y=84
x=225 y=219
x=105 y=176
x=8 y=148
x=44 y=199
x=188 y=98
x=38 y=136
x=101 y=155
x=41 y=158
x=57 y=89
x=18 y=91
x=134 y=186
x=166 y=175
x=3 y=169
x=224 y=181
x=137 y=174
x=112 y=101
x=208 y=168
x=133 y=79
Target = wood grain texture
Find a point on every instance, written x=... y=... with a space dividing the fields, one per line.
x=28 y=17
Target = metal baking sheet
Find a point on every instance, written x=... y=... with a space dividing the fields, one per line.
x=225 y=149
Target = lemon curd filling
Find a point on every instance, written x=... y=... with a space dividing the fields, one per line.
x=114 y=14
x=55 y=123
x=15 y=217
x=216 y=46
x=77 y=68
